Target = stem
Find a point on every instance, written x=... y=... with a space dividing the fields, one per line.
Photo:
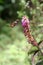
x=40 y=50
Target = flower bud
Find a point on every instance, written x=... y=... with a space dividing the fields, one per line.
x=25 y=22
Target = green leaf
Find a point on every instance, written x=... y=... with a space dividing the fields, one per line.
x=1 y=8
x=40 y=63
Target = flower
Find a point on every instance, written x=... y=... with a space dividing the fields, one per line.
x=25 y=21
x=26 y=26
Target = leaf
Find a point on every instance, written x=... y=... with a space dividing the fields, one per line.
x=40 y=25
x=40 y=63
x=1 y=8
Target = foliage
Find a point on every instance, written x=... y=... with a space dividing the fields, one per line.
x=14 y=48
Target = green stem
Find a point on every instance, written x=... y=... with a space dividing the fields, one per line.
x=40 y=50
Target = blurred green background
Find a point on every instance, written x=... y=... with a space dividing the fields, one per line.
x=14 y=47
